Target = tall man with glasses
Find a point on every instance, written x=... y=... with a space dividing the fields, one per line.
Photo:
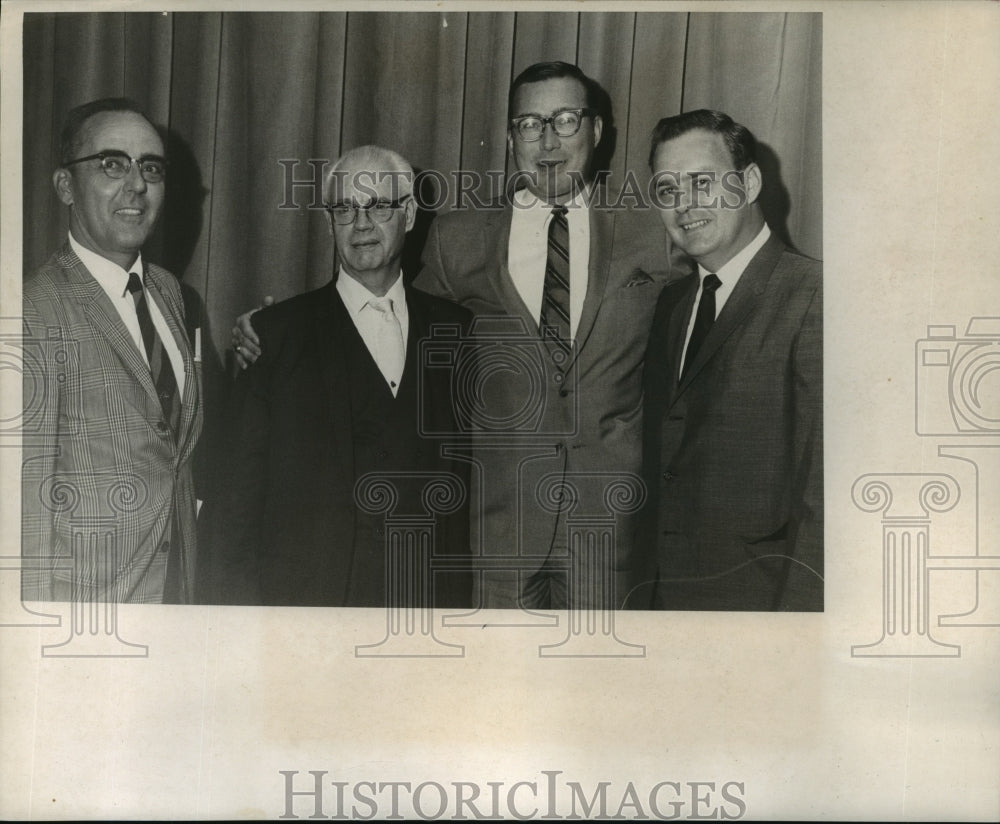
x=112 y=403
x=581 y=281
x=338 y=397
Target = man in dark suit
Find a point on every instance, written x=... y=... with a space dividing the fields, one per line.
x=590 y=334
x=733 y=441
x=339 y=398
x=112 y=387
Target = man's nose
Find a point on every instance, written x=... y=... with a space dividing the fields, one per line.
x=362 y=220
x=134 y=181
x=550 y=140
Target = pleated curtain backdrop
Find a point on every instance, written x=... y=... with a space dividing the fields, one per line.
x=241 y=92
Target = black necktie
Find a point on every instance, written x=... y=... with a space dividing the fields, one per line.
x=703 y=320
x=555 y=292
x=159 y=363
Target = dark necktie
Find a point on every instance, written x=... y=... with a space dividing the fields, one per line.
x=555 y=293
x=703 y=320
x=159 y=363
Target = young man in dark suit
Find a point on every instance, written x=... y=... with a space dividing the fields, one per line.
x=733 y=441
x=339 y=414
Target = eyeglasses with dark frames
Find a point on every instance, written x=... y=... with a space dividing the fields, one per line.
x=117 y=165
x=565 y=123
x=378 y=211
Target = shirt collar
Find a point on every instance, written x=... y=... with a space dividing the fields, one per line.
x=356 y=296
x=109 y=274
x=525 y=199
x=734 y=267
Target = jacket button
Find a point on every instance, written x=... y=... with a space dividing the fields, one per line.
x=557 y=377
x=668 y=476
x=563 y=393
x=165 y=546
x=162 y=426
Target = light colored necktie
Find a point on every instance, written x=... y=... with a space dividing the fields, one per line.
x=389 y=347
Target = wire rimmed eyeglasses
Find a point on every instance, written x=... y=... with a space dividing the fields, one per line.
x=379 y=211
x=117 y=165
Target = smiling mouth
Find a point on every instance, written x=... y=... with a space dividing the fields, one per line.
x=129 y=212
x=697 y=224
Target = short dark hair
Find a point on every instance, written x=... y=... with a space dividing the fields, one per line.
x=738 y=138
x=551 y=70
x=71 y=137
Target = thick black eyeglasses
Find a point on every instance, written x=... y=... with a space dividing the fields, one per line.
x=117 y=165
x=566 y=123
x=379 y=211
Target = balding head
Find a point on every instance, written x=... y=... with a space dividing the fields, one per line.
x=365 y=170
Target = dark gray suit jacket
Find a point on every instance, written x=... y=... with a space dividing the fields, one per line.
x=734 y=450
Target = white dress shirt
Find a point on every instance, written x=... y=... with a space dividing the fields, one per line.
x=528 y=250
x=370 y=323
x=114 y=281
x=729 y=273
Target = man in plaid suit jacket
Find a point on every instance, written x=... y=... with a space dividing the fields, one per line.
x=111 y=385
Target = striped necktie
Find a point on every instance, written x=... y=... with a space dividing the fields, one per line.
x=555 y=292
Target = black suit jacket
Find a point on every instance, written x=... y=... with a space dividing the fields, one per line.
x=283 y=527
x=733 y=452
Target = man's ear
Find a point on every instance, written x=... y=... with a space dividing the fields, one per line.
x=62 y=180
x=753 y=182
x=510 y=141
x=329 y=219
x=410 y=210
x=598 y=129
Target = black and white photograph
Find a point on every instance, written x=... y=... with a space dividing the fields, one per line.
x=447 y=411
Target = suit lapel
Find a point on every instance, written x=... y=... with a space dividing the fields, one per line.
x=497 y=226
x=602 y=225
x=104 y=318
x=173 y=314
x=332 y=324
x=677 y=326
x=744 y=298
x=419 y=328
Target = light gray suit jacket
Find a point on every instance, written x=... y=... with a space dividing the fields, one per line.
x=100 y=464
x=546 y=423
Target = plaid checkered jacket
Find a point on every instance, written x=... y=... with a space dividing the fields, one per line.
x=105 y=484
